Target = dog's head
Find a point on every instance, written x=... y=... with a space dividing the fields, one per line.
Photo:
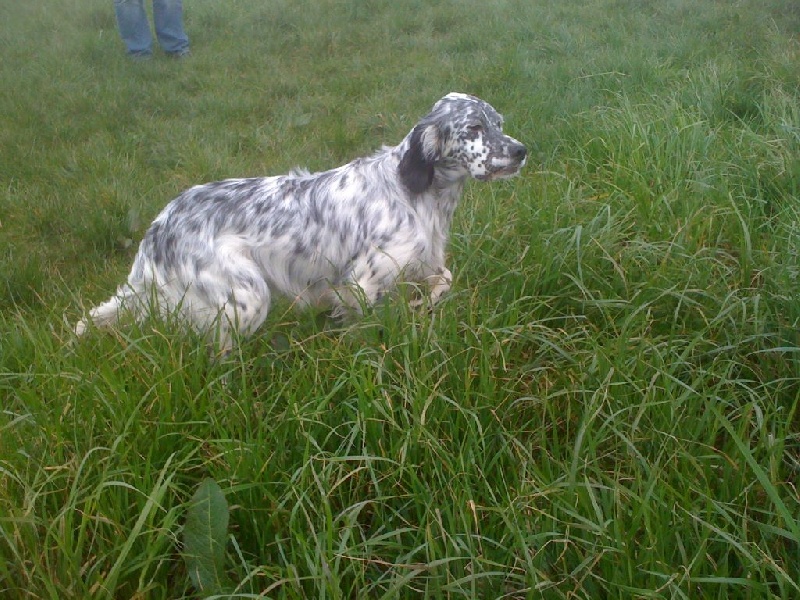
x=462 y=135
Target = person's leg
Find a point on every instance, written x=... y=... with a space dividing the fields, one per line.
x=133 y=27
x=168 y=17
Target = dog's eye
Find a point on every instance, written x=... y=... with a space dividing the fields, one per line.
x=475 y=128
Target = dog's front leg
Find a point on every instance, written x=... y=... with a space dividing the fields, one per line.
x=437 y=285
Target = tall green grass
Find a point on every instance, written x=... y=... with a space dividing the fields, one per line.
x=604 y=406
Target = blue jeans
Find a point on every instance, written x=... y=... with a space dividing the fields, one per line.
x=135 y=30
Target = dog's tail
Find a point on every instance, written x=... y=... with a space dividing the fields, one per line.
x=108 y=313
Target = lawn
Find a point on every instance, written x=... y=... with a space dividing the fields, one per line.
x=605 y=405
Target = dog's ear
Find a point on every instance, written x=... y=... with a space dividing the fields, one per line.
x=416 y=166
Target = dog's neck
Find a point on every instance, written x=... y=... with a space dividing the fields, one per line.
x=448 y=173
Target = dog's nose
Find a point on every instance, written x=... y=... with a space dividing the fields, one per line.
x=519 y=152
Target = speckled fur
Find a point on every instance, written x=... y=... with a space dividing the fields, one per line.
x=339 y=239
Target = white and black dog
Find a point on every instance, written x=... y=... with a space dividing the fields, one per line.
x=338 y=239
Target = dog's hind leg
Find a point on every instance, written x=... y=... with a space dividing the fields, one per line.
x=245 y=311
x=229 y=296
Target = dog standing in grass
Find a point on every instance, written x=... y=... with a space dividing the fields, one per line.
x=338 y=239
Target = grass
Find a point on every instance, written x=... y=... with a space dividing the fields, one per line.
x=604 y=406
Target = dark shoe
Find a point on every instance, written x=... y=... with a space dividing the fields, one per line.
x=180 y=53
x=140 y=56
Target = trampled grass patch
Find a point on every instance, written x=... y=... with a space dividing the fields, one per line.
x=604 y=406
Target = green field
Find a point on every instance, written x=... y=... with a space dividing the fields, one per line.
x=604 y=406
